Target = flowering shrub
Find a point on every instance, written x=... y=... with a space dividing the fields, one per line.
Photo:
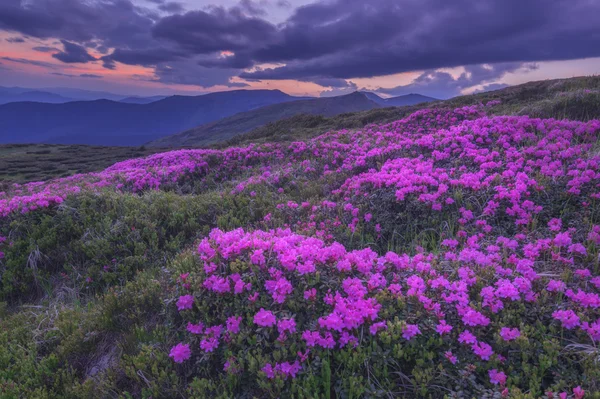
x=447 y=253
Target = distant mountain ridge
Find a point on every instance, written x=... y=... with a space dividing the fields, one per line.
x=60 y=95
x=399 y=101
x=105 y=122
x=33 y=96
x=229 y=127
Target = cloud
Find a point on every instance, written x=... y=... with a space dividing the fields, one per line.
x=114 y=23
x=491 y=87
x=252 y=8
x=45 y=49
x=171 y=7
x=188 y=72
x=337 y=87
x=327 y=39
x=31 y=62
x=15 y=40
x=217 y=29
x=354 y=39
x=440 y=84
x=83 y=75
x=73 y=53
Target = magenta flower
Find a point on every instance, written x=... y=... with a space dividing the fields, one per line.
x=209 y=344
x=233 y=324
x=497 y=377
x=265 y=318
x=180 y=353
x=568 y=318
x=409 y=331
x=377 y=327
x=195 y=328
x=310 y=295
x=443 y=328
x=483 y=350
x=451 y=358
x=185 y=302
x=509 y=334
x=578 y=393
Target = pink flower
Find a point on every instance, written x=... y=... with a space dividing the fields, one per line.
x=258 y=258
x=497 y=377
x=483 y=350
x=264 y=318
x=443 y=328
x=195 y=328
x=269 y=371
x=474 y=318
x=180 y=353
x=209 y=344
x=568 y=318
x=286 y=326
x=562 y=240
x=509 y=334
x=466 y=337
x=556 y=286
x=279 y=289
x=377 y=326
x=451 y=358
x=310 y=295
x=185 y=302
x=578 y=393
x=409 y=331
x=555 y=224
x=233 y=324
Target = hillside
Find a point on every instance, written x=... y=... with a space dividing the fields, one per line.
x=104 y=122
x=399 y=101
x=575 y=98
x=451 y=252
x=23 y=163
x=238 y=124
x=141 y=100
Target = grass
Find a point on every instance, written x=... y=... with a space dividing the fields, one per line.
x=21 y=163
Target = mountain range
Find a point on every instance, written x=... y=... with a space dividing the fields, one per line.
x=60 y=95
x=164 y=121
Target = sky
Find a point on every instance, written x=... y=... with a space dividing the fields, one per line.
x=439 y=48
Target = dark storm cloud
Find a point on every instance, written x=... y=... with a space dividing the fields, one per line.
x=328 y=41
x=15 y=40
x=113 y=22
x=73 y=53
x=213 y=30
x=352 y=38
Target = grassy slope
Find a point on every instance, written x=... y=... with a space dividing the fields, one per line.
x=560 y=99
x=21 y=163
x=113 y=331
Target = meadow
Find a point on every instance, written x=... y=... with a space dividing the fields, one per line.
x=451 y=252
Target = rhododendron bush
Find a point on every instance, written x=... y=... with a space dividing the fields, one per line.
x=446 y=254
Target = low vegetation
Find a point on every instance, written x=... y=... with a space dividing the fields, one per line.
x=453 y=252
